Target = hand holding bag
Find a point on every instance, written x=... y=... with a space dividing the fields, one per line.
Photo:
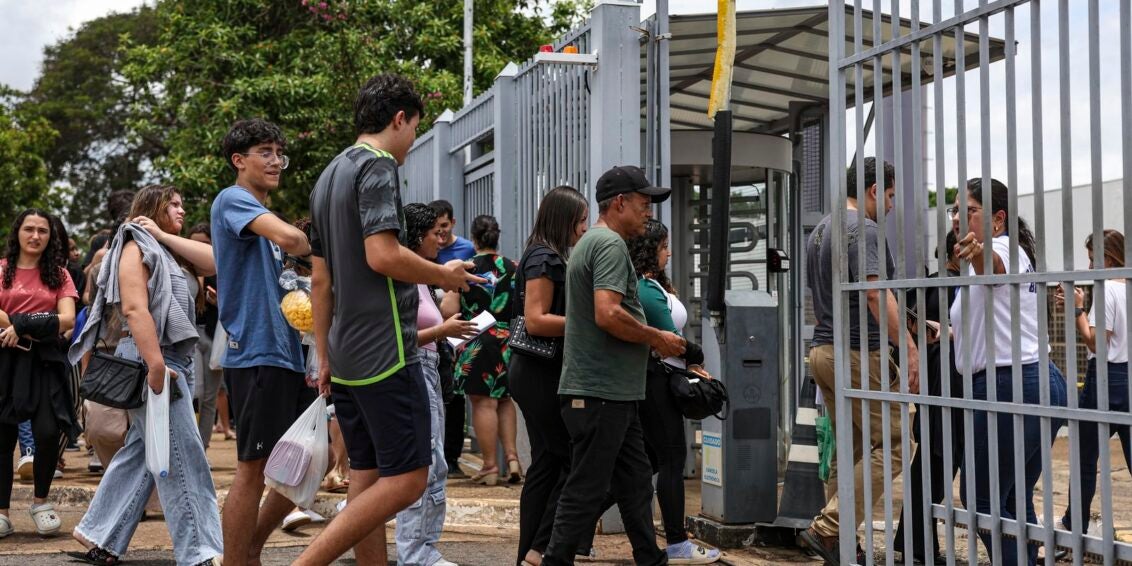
x=113 y=381
x=298 y=462
x=697 y=397
x=522 y=340
x=157 y=430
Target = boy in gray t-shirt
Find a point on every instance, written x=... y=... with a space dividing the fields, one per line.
x=364 y=301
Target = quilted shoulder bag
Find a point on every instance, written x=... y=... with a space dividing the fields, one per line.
x=113 y=381
x=522 y=340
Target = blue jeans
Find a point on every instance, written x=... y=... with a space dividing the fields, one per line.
x=419 y=525
x=187 y=495
x=27 y=439
x=1090 y=441
x=1004 y=446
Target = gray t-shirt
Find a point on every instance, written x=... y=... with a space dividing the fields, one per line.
x=819 y=277
x=594 y=362
x=374 y=330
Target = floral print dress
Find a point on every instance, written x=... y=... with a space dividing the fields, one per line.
x=481 y=367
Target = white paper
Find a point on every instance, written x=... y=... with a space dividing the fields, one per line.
x=483 y=321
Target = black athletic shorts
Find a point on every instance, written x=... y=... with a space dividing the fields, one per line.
x=386 y=424
x=266 y=400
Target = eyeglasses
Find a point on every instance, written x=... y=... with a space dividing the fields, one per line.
x=954 y=211
x=270 y=157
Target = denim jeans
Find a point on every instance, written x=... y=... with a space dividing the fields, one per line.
x=1004 y=447
x=1090 y=441
x=419 y=525
x=27 y=439
x=187 y=495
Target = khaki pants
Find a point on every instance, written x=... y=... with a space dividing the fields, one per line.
x=822 y=367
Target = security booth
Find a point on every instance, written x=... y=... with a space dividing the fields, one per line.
x=636 y=93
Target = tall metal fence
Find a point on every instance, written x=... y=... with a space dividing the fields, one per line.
x=1010 y=444
x=533 y=130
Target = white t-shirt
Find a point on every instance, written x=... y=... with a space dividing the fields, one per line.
x=972 y=333
x=1115 y=321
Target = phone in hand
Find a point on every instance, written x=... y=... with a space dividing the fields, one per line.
x=24 y=343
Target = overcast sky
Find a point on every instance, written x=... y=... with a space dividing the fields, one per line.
x=28 y=27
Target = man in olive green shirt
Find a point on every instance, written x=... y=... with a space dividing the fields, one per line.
x=603 y=373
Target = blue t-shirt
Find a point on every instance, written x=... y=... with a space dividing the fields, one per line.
x=247 y=277
x=460 y=249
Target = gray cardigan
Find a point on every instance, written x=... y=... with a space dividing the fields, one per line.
x=175 y=328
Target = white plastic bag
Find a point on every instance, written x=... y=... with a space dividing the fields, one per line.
x=219 y=344
x=298 y=462
x=157 y=430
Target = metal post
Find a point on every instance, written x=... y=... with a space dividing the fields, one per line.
x=615 y=107
x=504 y=201
x=447 y=172
x=469 y=14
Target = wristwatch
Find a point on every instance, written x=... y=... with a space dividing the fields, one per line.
x=1078 y=311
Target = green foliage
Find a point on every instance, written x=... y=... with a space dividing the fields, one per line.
x=24 y=140
x=84 y=97
x=950 y=193
x=299 y=64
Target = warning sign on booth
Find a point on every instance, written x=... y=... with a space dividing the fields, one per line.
x=713 y=458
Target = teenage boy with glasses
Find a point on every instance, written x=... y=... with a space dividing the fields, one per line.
x=263 y=359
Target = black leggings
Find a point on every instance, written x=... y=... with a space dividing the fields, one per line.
x=534 y=387
x=667 y=448
x=46 y=433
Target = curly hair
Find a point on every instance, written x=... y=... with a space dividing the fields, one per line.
x=419 y=219
x=644 y=249
x=245 y=134
x=485 y=232
x=51 y=262
x=380 y=100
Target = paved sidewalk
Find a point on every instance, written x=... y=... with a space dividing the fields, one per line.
x=481 y=520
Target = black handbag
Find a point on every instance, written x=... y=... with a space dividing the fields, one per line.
x=697 y=397
x=525 y=343
x=113 y=381
x=522 y=340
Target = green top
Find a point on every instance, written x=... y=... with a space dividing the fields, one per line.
x=654 y=301
x=596 y=363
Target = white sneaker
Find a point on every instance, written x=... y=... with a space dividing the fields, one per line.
x=315 y=517
x=341 y=505
x=26 y=468
x=58 y=474
x=443 y=562
x=688 y=552
x=295 y=520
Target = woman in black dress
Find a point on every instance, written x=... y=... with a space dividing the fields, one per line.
x=540 y=286
x=481 y=366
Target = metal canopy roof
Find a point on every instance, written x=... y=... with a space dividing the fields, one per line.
x=782 y=56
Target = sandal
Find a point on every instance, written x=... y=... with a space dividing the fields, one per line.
x=335 y=484
x=46 y=520
x=487 y=476
x=514 y=470
x=6 y=527
x=95 y=556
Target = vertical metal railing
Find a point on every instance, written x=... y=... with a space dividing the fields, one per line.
x=1019 y=415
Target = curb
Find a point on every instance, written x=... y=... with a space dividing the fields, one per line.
x=470 y=513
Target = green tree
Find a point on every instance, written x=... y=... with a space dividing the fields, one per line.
x=949 y=196
x=84 y=96
x=299 y=63
x=24 y=140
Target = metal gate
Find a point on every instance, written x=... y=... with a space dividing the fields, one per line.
x=914 y=52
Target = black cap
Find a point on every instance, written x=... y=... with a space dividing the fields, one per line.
x=628 y=179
